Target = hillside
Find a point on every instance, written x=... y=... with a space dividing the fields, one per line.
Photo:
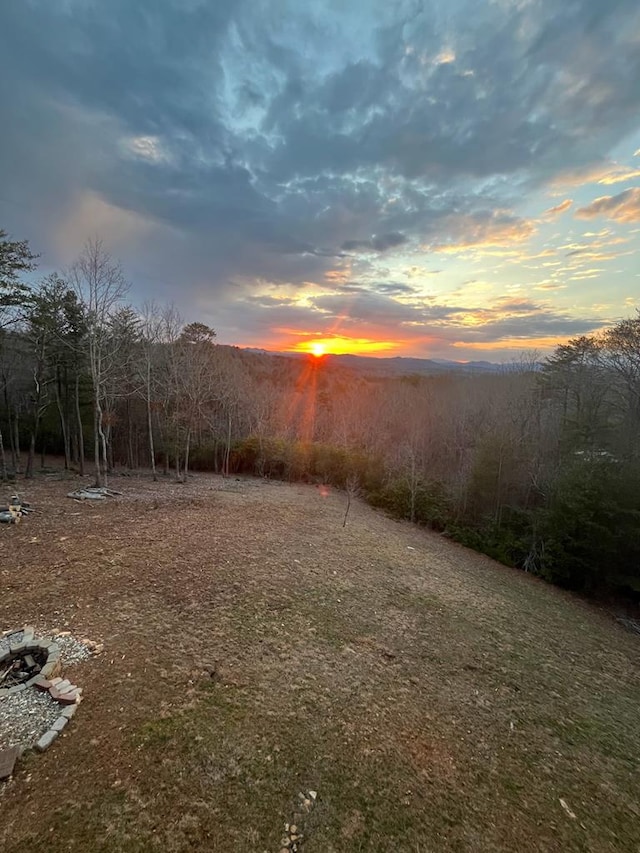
x=397 y=365
x=255 y=649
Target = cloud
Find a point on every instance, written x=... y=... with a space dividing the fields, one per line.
x=606 y=173
x=90 y=216
x=226 y=147
x=554 y=212
x=624 y=207
x=485 y=229
x=380 y=243
x=148 y=148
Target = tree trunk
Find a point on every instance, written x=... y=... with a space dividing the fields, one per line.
x=97 y=433
x=103 y=444
x=65 y=431
x=3 y=461
x=227 y=450
x=28 y=471
x=152 y=451
x=12 y=441
x=109 y=450
x=346 y=512
x=498 y=507
x=16 y=442
x=186 y=455
x=79 y=424
x=130 y=456
x=75 y=456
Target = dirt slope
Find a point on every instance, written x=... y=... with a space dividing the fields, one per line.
x=254 y=649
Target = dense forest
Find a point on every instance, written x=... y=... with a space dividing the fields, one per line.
x=537 y=465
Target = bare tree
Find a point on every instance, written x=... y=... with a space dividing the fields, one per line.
x=100 y=285
x=147 y=368
x=352 y=488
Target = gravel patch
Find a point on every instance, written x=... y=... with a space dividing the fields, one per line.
x=25 y=716
x=5 y=642
x=72 y=650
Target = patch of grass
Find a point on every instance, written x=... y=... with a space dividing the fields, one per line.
x=157 y=733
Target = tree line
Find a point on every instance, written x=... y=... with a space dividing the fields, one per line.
x=537 y=465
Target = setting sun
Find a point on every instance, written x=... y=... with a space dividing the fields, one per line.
x=338 y=345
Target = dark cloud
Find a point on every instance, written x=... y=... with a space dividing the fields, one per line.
x=378 y=243
x=394 y=288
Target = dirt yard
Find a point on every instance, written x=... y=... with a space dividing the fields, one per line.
x=255 y=649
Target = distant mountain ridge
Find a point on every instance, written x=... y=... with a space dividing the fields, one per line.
x=397 y=365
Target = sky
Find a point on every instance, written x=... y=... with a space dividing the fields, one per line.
x=453 y=179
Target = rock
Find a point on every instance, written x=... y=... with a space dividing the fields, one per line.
x=59 y=724
x=50 y=668
x=313 y=794
x=68 y=698
x=8 y=758
x=46 y=740
x=293 y=829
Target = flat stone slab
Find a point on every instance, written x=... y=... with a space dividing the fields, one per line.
x=60 y=723
x=46 y=740
x=8 y=758
x=66 y=698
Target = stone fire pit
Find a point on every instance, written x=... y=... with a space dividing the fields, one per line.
x=36 y=703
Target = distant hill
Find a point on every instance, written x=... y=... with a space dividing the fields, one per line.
x=397 y=365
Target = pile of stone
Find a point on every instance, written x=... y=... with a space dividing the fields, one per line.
x=93 y=493
x=293 y=836
x=15 y=510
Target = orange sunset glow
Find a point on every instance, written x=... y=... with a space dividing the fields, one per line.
x=337 y=345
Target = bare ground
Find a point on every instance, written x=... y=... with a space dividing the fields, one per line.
x=254 y=648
